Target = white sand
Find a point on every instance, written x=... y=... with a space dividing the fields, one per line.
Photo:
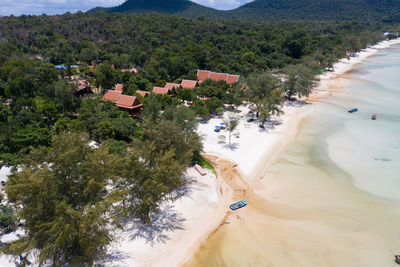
x=180 y=225
x=253 y=142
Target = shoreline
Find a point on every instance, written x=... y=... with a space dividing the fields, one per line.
x=290 y=124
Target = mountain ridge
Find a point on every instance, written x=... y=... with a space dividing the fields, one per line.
x=271 y=10
x=176 y=7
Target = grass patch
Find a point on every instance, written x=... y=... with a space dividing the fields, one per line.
x=205 y=164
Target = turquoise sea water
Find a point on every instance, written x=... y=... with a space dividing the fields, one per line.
x=367 y=151
x=331 y=198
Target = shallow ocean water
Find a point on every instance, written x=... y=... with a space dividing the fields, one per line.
x=331 y=198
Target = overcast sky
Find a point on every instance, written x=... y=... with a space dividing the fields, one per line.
x=51 y=7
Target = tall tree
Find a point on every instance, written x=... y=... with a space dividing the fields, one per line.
x=149 y=177
x=271 y=106
x=299 y=80
x=260 y=86
x=63 y=202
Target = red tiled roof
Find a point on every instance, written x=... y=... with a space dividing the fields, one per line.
x=232 y=79
x=160 y=90
x=112 y=95
x=171 y=86
x=82 y=84
x=188 y=84
x=219 y=76
x=142 y=93
x=133 y=70
x=127 y=101
x=202 y=75
x=119 y=87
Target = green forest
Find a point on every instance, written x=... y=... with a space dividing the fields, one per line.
x=65 y=189
x=385 y=11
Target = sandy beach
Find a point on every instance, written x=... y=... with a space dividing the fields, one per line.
x=253 y=151
x=308 y=219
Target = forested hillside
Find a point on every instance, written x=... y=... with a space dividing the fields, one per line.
x=314 y=10
x=387 y=11
x=181 y=7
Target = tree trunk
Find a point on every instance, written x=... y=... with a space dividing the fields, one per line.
x=262 y=124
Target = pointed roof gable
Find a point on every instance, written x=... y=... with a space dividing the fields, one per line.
x=119 y=87
x=112 y=95
x=188 y=84
x=142 y=93
x=160 y=90
x=219 y=76
x=232 y=79
x=203 y=75
x=127 y=101
x=82 y=84
x=171 y=86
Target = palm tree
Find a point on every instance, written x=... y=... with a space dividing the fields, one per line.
x=231 y=124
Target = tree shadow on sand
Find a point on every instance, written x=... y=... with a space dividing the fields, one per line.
x=166 y=220
x=114 y=258
x=233 y=146
x=296 y=103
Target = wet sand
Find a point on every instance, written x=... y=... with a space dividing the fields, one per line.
x=307 y=219
x=304 y=211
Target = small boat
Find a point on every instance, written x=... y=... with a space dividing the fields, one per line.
x=373 y=117
x=238 y=205
x=353 y=110
x=217 y=129
x=397 y=259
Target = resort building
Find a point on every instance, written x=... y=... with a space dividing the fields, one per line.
x=188 y=84
x=142 y=93
x=83 y=88
x=161 y=90
x=130 y=104
x=132 y=70
x=125 y=102
x=203 y=75
x=171 y=86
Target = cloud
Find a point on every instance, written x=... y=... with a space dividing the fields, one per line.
x=222 y=4
x=52 y=7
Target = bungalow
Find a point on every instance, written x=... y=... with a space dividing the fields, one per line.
x=219 y=76
x=232 y=79
x=111 y=95
x=203 y=75
x=130 y=104
x=161 y=90
x=132 y=70
x=171 y=86
x=142 y=93
x=124 y=102
x=188 y=84
x=83 y=88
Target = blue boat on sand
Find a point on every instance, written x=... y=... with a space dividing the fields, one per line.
x=238 y=205
x=353 y=110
